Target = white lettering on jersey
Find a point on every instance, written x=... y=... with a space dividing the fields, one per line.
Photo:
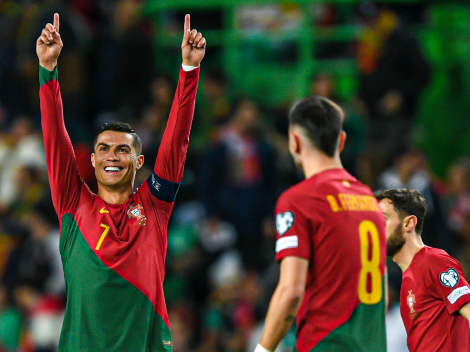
x=287 y=242
x=457 y=293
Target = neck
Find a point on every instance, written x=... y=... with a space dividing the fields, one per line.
x=115 y=195
x=316 y=162
x=405 y=256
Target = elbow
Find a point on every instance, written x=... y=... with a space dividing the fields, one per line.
x=292 y=294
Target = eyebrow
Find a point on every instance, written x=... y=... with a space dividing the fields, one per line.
x=118 y=146
x=385 y=213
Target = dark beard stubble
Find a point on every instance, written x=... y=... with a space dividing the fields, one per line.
x=396 y=241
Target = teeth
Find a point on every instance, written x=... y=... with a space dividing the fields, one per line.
x=112 y=168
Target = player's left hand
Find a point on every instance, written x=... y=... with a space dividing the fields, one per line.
x=193 y=47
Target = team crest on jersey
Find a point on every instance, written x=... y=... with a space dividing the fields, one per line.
x=410 y=301
x=136 y=211
x=284 y=222
x=449 y=278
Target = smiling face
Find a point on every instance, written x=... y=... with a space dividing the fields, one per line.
x=115 y=159
x=394 y=227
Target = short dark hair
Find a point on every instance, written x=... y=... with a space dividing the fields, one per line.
x=122 y=127
x=406 y=202
x=322 y=120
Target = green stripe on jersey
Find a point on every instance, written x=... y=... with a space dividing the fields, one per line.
x=104 y=311
x=363 y=332
x=46 y=75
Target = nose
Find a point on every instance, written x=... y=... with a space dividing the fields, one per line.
x=112 y=156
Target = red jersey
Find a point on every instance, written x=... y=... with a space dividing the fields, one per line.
x=334 y=221
x=114 y=254
x=432 y=292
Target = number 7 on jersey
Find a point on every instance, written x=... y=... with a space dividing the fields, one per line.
x=103 y=235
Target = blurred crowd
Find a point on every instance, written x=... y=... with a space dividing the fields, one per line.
x=221 y=270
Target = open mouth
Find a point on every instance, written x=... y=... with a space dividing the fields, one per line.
x=113 y=169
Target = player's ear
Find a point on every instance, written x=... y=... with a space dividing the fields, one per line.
x=140 y=161
x=342 y=140
x=409 y=223
x=294 y=142
x=93 y=159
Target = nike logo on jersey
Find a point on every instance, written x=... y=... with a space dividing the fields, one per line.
x=103 y=210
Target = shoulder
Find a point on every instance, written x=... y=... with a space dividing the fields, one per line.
x=293 y=194
x=439 y=264
x=436 y=256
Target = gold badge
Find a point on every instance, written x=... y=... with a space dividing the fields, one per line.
x=136 y=212
x=411 y=300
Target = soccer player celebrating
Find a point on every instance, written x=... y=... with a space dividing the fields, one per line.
x=113 y=244
x=434 y=293
x=331 y=245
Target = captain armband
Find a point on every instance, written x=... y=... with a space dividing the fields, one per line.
x=162 y=189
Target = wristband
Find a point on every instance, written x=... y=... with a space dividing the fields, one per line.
x=260 y=348
x=188 y=67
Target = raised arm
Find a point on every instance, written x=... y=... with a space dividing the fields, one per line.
x=61 y=164
x=171 y=156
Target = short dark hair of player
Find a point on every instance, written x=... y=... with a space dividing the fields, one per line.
x=322 y=120
x=122 y=127
x=406 y=202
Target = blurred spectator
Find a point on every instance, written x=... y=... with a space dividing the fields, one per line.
x=237 y=178
x=21 y=147
x=85 y=168
x=457 y=200
x=231 y=312
x=396 y=332
x=36 y=260
x=393 y=72
x=44 y=228
x=457 y=205
x=45 y=317
x=122 y=61
x=213 y=110
x=183 y=327
x=463 y=250
x=272 y=17
x=411 y=170
x=10 y=323
x=32 y=188
x=11 y=84
x=323 y=84
x=153 y=122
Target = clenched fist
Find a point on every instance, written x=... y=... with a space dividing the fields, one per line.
x=49 y=45
x=193 y=46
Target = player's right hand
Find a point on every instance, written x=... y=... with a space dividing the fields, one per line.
x=49 y=45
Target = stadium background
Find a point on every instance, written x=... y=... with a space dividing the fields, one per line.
x=120 y=62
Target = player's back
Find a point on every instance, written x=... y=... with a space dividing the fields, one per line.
x=334 y=221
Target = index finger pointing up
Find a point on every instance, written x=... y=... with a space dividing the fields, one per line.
x=187 y=25
x=56 y=22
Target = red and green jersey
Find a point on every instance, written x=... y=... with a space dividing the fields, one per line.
x=432 y=292
x=334 y=221
x=114 y=254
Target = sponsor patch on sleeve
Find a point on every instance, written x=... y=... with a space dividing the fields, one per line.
x=284 y=222
x=457 y=293
x=287 y=242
